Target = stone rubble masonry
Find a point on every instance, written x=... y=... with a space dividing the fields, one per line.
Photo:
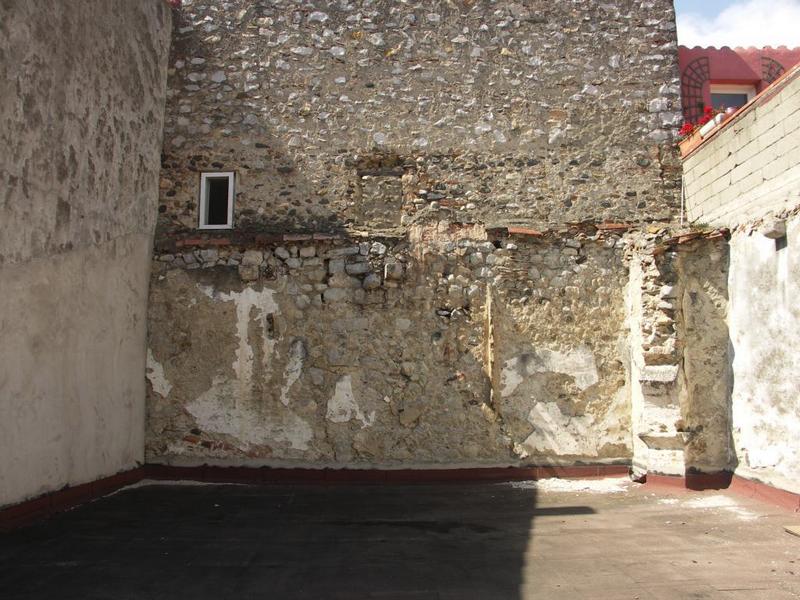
x=454 y=345
x=679 y=363
x=453 y=245
x=355 y=115
x=374 y=351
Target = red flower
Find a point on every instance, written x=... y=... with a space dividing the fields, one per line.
x=687 y=128
x=708 y=110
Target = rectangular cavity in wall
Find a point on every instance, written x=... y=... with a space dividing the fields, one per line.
x=216 y=200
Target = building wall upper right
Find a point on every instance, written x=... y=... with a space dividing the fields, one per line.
x=749 y=166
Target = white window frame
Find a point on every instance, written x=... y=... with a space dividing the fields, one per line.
x=731 y=88
x=204 y=189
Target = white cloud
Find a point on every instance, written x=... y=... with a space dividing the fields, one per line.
x=744 y=23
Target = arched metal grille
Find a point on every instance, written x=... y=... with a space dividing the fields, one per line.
x=771 y=69
x=694 y=76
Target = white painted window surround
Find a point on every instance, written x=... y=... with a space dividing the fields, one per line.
x=734 y=88
x=733 y=91
x=208 y=213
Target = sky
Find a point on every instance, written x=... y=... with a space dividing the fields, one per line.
x=738 y=22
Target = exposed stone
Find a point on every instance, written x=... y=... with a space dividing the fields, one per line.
x=252 y=258
x=335 y=294
x=371 y=282
x=248 y=272
x=357 y=268
x=773 y=228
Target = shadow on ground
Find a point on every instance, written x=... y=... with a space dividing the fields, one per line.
x=409 y=542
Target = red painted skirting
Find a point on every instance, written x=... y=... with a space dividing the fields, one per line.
x=373 y=476
x=69 y=497
x=64 y=499
x=725 y=480
x=765 y=493
x=692 y=481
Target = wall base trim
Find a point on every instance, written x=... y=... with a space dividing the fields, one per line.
x=766 y=493
x=725 y=480
x=216 y=474
x=695 y=480
x=41 y=507
x=64 y=499
x=46 y=505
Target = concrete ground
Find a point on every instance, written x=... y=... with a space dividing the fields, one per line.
x=555 y=539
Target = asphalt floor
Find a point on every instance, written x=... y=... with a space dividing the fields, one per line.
x=553 y=539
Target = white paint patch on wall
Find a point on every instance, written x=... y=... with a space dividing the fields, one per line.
x=342 y=407
x=764 y=322
x=248 y=299
x=229 y=407
x=219 y=411
x=582 y=435
x=294 y=367
x=156 y=376
x=578 y=363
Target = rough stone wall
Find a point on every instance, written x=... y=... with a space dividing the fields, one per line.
x=424 y=267
x=356 y=114
x=81 y=119
x=654 y=360
x=452 y=346
x=558 y=336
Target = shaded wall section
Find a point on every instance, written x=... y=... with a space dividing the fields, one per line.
x=360 y=114
x=82 y=119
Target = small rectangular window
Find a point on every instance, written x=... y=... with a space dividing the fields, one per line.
x=216 y=200
x=731 y=96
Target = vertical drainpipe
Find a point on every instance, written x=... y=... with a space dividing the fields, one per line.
x=683 y=197
x=489 y=336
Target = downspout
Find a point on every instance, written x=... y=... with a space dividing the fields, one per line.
x=683 y=197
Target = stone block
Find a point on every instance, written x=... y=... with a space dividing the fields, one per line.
x=308 y=251
x=252 y=258
x=357 y=268
x=335 y=294
x=248 y=272
x=336 y=265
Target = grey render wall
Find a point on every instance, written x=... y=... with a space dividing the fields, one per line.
x=764 y=320
x=357 y=114
x=746 y=177
x=81 y=120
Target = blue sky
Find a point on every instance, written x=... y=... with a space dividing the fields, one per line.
x=707 y=8
x=738 y=22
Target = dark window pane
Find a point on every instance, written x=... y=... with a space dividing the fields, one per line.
x=728 y=100
x=217 y=204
